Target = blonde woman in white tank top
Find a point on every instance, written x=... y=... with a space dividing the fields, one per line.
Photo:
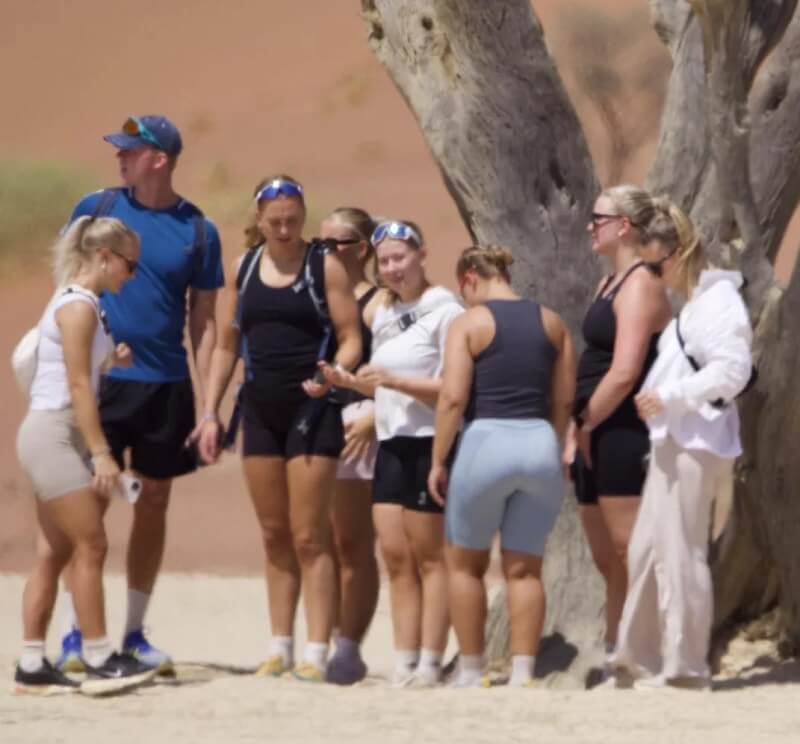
x=63 y=450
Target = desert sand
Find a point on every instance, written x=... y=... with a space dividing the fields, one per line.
x=216 y=629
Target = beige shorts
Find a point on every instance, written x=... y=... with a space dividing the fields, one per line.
x=364 y=467
x=53 y=454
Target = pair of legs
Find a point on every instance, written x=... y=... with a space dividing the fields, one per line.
x=526 y=601
x=70 y=529
x=354 y=542
x=292 y=503
x=412 y=546
x=666 y=622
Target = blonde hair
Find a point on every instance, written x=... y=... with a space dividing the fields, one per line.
x=634 y=203
x=486 y=260
x=83 y=238
x=674 y=229
x=252 y=232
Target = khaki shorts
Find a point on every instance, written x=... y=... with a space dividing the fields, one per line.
x=53 y=454
x=364 y=467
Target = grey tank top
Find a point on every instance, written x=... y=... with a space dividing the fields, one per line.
x=512 y=374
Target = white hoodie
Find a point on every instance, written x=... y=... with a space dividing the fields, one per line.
x=716 y=331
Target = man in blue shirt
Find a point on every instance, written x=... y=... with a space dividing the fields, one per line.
x=149 y=408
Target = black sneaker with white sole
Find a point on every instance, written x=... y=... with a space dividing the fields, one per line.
x=46 y=680
x=119 y=673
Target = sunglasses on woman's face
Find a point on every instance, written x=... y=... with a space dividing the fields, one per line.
x=131 y=264
x=598 y=219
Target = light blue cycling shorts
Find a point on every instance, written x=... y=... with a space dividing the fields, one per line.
x=507 y=477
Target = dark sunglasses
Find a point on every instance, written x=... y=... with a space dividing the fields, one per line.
x=598 y=219
x=134 y=127
x=129 y=262
x=279 y=187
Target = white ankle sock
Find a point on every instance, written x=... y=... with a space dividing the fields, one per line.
x=97 y=651
x=69 y=620
x=521 y=670
x=469 y=670
x=429 y=667
x=347 y=648
x=283 y=646
x=137 y=607
x=32 y=656
x=405 y=661
x=316 y=654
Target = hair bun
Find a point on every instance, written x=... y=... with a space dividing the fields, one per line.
x=499 y=256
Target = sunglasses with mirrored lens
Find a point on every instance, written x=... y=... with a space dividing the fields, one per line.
x=279 y=187
x=395 y=231
x=135 y=127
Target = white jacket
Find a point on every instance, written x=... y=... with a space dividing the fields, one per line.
x=716 y=332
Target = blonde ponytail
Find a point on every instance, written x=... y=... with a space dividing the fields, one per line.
x=77 y=245
x=488 y=261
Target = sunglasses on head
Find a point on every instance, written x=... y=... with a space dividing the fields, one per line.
x=135 y=127
x=131 y=263
x=279 y=187
x=395 y=231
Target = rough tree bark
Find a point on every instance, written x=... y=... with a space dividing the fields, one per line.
x=488 y=99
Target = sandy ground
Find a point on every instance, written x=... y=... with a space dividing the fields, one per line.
x=215 y=627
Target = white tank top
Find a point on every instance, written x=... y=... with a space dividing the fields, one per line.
x=49 y=389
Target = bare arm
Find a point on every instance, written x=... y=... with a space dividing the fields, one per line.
x=343 y=309
x=641 y=309
x=562 y=391
x=456 y=383
x=202 y=333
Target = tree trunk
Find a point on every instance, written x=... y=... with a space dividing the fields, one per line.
x=488 y=99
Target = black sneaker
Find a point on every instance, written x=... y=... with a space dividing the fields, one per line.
x=46 y=680
x=119 y=673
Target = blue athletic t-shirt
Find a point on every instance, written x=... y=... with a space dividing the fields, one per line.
x=149 y=313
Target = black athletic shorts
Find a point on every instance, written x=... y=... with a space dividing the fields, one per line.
x=289 y=427
x=619 y=448
x=401 y=474
x=152 y=420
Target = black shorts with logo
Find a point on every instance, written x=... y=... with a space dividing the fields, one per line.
x=401 y=474
x=152 y=420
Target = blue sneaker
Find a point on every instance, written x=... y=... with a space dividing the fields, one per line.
x=138 y=647
x=71 y=657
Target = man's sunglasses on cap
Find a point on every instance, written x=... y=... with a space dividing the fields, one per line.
x=135 y=127
x=395 y=231
x=279 y=187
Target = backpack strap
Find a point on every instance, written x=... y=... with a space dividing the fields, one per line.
x=314 y=276
x=682 y=344
x=106 y=202
x=199 y=245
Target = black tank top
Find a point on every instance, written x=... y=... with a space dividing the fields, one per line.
x=283 y=334
x=600 y=332
x=513 y=373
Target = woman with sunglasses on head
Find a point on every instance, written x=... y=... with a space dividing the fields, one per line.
x=408 y=338
x=349 y=229
x=291 y=306
x=63 y=450
x=509 y=371
x=704 y=362
x=621 y=330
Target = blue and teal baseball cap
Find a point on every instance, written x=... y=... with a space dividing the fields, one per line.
x=152 y=130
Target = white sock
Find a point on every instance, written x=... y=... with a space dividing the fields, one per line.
x=69 y=619
x=97 y=651
x=347 y=648
x=405 y=661
x=283 y=646
x=137 y=607
x=32 y=656
x=430 y=665
x=521 y=670
x=469 y=670
x=316 y=654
